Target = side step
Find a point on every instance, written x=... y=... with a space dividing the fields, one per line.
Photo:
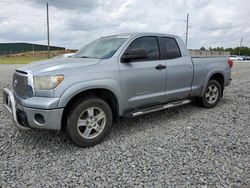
x=159 y=107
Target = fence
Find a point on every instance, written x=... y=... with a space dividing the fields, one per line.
x=208 y=53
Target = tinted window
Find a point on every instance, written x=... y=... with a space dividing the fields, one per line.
x=149 y=44
x=172 y=48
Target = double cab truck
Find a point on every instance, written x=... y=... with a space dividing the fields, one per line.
x=123 y=75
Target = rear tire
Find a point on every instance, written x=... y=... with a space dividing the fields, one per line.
x=89 y=122
x=211 y=96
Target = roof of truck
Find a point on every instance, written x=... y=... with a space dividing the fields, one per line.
x=128 y=35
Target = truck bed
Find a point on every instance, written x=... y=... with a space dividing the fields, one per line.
x=205 y=66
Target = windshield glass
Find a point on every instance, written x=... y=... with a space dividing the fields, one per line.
x=102 y=48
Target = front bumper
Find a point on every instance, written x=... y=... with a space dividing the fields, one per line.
x=24 y=118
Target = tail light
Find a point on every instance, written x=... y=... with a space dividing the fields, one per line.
x=230 y=63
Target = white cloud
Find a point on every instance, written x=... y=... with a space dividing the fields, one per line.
x=73 y=23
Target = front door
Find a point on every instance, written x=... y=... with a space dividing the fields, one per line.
x=143 y=81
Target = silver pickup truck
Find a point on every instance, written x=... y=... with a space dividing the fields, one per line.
x=124 y=75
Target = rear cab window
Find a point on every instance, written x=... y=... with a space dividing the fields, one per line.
x=172 y=48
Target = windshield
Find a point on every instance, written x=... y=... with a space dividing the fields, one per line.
x=102 y=48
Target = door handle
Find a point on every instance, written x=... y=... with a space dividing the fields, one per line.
x=160 y=67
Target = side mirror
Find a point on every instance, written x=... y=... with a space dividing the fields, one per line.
x=134 y=54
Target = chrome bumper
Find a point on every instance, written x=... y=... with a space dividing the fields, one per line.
x=24 y=118
x=9 y=107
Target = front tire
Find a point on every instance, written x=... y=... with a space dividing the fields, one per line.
x=212 y=95
x=89 y=122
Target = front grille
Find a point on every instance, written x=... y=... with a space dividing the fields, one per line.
x=20 y=85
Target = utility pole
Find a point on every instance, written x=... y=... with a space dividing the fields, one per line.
x=187 y=26
x=241 y=40
x=33 y=49
x=47 y=6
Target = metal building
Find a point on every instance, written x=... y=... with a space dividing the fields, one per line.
x=14 y=48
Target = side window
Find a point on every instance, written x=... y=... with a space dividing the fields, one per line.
x=149 y=44
x=173 y=50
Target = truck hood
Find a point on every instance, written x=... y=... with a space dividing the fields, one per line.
x=55 y=65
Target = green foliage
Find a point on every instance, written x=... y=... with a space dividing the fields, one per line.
x=234 y=51
x=202 y=48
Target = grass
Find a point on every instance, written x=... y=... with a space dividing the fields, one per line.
x=19 y=60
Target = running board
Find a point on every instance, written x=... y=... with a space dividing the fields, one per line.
x=159 y=107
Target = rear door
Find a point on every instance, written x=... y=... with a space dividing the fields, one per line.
x=179 y=70
x=143 y=81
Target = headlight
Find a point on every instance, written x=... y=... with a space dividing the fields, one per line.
x=47 y=82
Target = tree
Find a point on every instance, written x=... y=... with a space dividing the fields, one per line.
x=244 y=50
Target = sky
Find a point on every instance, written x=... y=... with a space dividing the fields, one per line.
x=74 y=23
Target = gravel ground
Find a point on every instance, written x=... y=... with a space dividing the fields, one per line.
x=186 y=146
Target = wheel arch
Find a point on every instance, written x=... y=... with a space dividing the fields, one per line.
x=106 y=89
x=218 y=76
x=102 y=93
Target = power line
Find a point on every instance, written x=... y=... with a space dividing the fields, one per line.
x=35 y=5
x=20 y=19
x=92 y=15
x=39 y=20
x=20 y=4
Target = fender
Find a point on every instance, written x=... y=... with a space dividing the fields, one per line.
x=208 y=77
x=109 y=84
